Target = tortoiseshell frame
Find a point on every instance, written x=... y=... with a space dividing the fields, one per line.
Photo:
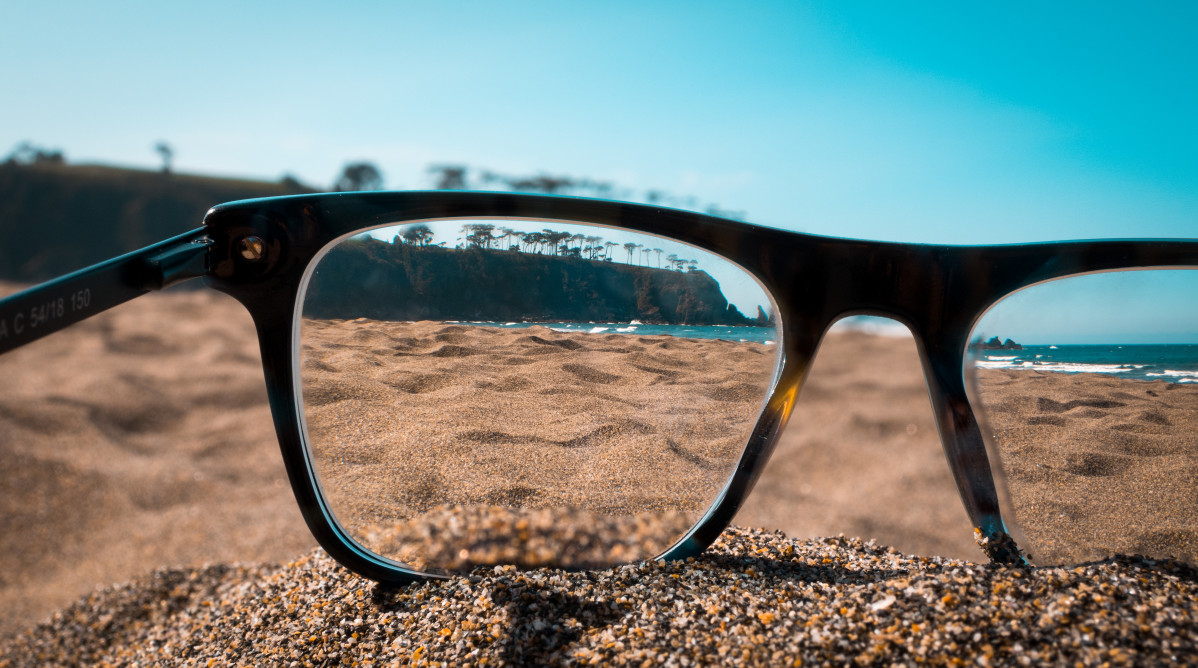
x=939 y=292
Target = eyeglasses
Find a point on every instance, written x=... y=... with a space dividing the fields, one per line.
x=465 y=379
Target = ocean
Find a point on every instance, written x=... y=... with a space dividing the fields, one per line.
x=763 y=335
x=1174 y=363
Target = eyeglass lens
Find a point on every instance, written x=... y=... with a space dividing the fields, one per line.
x=481 y=392
x=1088 y=388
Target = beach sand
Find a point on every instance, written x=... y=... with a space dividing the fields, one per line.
x=137 y=439
x=142 y=439
x=410 y=421
x=1095 y=464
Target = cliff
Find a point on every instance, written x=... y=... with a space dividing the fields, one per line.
x=385 y=281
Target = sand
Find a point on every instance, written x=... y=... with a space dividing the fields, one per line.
x=410 y=419
x=1095 y=464
x=754 y=598
x=138 y=439
x=141 y=439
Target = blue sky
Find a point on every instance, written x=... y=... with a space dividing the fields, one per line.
x=936 y=122
x=1108 y=308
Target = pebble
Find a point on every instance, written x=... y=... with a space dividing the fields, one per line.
x=753 y=598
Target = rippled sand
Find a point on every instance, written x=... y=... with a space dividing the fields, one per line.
x=405 y=418
x=1097 y=465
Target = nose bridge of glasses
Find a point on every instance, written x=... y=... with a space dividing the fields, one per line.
x=965 y=451
x=919 y=287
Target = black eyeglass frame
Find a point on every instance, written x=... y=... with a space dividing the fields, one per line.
x=259 y=251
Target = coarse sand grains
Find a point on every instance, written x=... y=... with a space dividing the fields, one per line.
x=754 y=598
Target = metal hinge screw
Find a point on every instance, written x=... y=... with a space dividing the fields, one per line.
x=252 y=248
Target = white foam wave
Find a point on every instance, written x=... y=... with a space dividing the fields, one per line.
x=1075 y=367
x=1060 y=367
x=596 y=330
x=1178 y=374
x=635 y=322
x=996 y=358
x=626 y=329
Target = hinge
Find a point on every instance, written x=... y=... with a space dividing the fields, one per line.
x=176 y=264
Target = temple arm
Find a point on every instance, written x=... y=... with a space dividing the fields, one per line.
x=44 y=309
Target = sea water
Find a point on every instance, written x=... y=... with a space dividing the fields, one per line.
x=1174 y=363
x=762 y=335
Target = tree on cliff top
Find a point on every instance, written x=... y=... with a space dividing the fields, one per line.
x=26 y=153
x=165 y=152
x=418 y=235
x=359 y=176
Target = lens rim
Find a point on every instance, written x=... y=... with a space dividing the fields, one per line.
x=1013 y=519
x=297 y=367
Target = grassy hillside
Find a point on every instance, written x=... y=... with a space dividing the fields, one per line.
x=58 y=218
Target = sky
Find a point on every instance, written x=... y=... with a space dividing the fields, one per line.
x=1136 y=307
x=931 y=122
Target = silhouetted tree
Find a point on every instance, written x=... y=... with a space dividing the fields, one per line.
x=542 y=183
x=593 y=247
x=479 y=235
x=455 y=177
x=418 y=235
x=166 y=153
x=556 y=240
x=359 y=176
x=26 y=153
x=449 y=177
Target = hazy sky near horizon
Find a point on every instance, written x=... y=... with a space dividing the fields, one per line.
x=1117 y=307
x=933 y=122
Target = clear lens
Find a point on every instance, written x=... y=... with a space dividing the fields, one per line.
x=1088 y=389
x=531 y=392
